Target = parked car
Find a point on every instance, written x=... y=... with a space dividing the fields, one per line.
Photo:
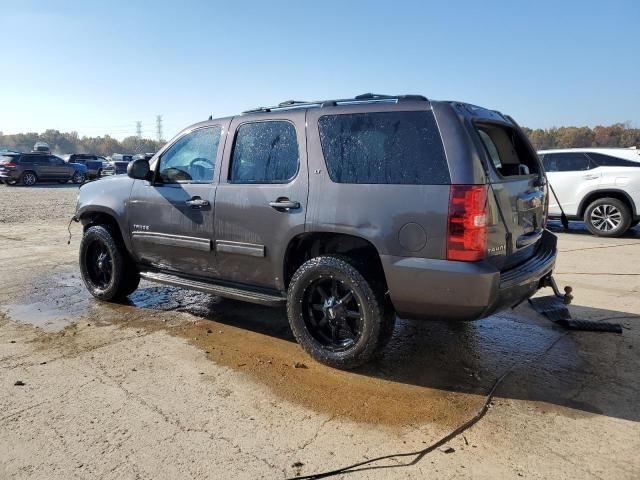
x=347 y=211
x=96 y=166
x=148 y=156
x=107 y=167
x=41 y=147
x=120 y=162
x=600 y=186
x=30 y=168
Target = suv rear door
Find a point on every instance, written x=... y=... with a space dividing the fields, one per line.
x=262 y=197
x=36 y=163
x=516 y=196
x=573 y=176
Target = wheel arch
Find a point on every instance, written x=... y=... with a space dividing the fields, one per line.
x=305 y=246
x=607 y=193
x=104 y=216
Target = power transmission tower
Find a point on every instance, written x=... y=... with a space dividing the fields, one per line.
x=159 y=127
x=139 y=129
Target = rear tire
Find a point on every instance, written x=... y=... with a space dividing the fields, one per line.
x=336 y=315
x=78 y=177
x=28 y=178
x=106 y=269
x=607 y=217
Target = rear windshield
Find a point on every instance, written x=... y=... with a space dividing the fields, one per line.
x=8 y=158
x=507 y=150
x=384 y=147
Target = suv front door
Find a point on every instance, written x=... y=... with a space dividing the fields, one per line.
x=171 y=217
x=58 y=169
x=262 y=197
x=572 y=176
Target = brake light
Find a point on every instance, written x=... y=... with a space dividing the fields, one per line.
x=467 y=235
x=8 y=164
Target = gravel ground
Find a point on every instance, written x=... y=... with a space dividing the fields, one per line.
x=176 y=384
x=42 y=202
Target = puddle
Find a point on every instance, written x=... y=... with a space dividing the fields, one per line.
x=430 y=372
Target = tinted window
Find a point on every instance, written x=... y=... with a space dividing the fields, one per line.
x=192 y=158
x=33 y=159
x=56 y=161
x=566 y=162
x=384 y=147
x=609 y=161
x=265 y=152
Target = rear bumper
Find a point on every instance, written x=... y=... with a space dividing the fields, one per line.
x=9 y=175
x=426 y=288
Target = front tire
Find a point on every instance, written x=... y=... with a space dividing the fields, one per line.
x=106 y=269
x=336 y=315
x=607 y=217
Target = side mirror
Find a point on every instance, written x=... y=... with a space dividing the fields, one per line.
x=139 y=169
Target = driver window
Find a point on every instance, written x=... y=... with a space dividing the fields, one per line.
x=192 y=158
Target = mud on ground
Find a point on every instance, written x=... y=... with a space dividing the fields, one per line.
x=178 y=384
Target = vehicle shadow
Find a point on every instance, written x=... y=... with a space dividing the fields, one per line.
x=578 y=228
x=596 y=373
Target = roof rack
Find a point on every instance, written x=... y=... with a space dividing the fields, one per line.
x=363 y=98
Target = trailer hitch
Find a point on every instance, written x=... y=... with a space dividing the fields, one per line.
x=549 y=281
x=554 y=307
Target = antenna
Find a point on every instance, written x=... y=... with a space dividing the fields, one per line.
x=139 y=129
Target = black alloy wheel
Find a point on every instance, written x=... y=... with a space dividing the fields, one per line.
x=332 y=315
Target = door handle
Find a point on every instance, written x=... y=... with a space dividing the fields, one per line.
x=284 y=204
x=197 y=202
x=591 y=177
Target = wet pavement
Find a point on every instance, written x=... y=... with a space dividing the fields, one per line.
x=430 y=371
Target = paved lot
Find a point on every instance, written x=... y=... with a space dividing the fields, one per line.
x=176 y=384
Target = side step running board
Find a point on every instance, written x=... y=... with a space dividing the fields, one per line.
x=215 y=289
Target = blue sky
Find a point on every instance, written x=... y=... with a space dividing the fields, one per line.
x=98 y=66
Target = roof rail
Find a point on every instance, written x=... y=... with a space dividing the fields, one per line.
x=363 y=98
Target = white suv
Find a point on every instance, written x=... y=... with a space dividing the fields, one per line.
x=598 y=185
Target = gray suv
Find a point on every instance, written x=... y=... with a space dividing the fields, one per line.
x=30 y=168
x=349 y=212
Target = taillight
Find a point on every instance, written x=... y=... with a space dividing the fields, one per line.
x=8 y=164
x=467 y=235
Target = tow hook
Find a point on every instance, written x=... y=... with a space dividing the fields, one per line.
x=549 y=281
x=558 y=313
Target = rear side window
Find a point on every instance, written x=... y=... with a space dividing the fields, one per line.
x=33 y=159
x=265 y=152
x=608 y=161
x=384 y=147
x=566 y=162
